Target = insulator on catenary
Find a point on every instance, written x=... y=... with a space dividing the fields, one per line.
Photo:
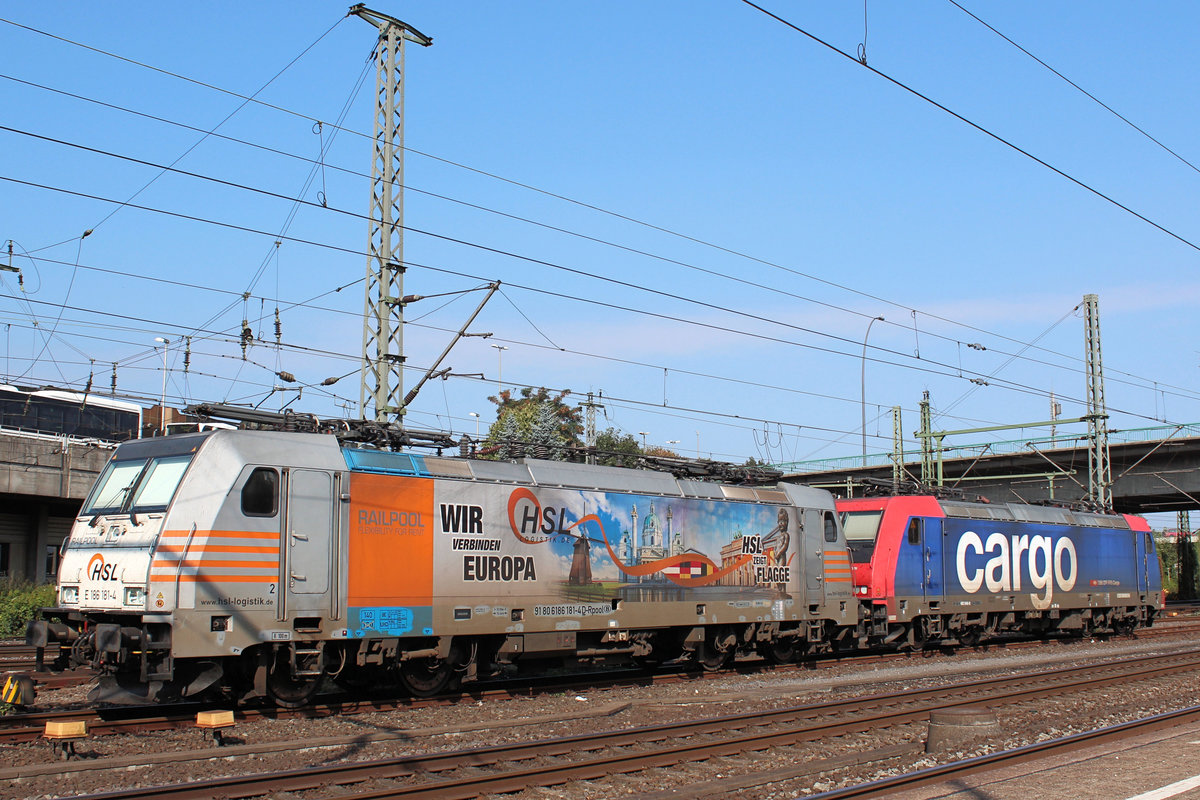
x=247 y=337
x=285 y=376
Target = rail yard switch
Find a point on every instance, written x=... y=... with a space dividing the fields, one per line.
x=62 y=736
x=214 y=722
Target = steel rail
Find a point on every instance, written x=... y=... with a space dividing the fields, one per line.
x=917 y=705
x=958 y=769
x=28 y=726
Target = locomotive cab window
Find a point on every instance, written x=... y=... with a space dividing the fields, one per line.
x=260 y=494
x=914 y=530
x=861 y=528
x=830 y=527
x=137 y=486
x=157 y=487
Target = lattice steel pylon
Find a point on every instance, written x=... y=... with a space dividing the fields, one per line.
x=1099 y=470
x=928 y=476
x=897 y=450
x=383 y=314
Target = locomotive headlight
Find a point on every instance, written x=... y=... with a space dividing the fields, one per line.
x=135 y=596
x=70 y=595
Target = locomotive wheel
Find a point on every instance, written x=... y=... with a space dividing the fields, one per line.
x=971 y=636
x=426 y=677
x=709 y=654
x=780 y=651
x=918 y=634
x=291 y=692
x=288 y=691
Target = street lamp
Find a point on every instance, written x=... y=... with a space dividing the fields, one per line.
x=643 y=434
x=162 y=405
x=863 y=383
x=476 y=416
x=499 y=366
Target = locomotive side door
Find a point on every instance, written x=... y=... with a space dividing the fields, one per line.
x=1143 y=560
x=931 y=557
x=812 y=555
x=308 y=541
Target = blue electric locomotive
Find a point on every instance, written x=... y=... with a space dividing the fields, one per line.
x=935 y=570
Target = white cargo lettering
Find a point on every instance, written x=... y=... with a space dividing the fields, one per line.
x=1065 y=546
x=1050 y=563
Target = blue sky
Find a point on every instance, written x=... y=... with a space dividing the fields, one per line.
x=740 y=203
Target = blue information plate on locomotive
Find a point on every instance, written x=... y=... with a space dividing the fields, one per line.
x=389 y=620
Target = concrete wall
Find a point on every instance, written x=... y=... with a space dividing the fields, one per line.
x=43 y=482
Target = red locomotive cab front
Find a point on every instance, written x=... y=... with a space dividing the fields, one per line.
x=860 y=521
x=861 y=574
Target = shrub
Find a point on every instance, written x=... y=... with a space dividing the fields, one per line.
x=19 y=603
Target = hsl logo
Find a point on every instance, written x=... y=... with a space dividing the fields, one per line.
x=97 y=570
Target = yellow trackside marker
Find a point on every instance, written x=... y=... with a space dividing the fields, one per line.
x=214 y=722
x=62 y=736
x=75 y=729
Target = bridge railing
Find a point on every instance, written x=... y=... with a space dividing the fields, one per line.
x=1008 y=447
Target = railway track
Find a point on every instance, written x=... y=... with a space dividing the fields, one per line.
x=953 y=771
x=597 y=755
x=29 y=726
x=16 y=656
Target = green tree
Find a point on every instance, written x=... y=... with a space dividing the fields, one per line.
x=505 y=438
x=545 y=437
x=560 y=425
x=1166 y=559
x=1185 y=554
x=19 y=603
x=617 y=449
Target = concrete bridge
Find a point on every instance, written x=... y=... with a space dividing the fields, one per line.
x=1153 y=469
x=44 y=480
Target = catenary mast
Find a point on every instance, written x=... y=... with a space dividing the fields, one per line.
x=1099 y=470
x=383 y=317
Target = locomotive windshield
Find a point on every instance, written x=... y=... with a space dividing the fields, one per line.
x=861 y=528
x=137 y=486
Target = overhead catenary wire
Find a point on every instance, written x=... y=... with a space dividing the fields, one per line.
x=1178 y=237
x=950 y=372
x=950 y=369
x=563 y=198
x=479 y=246
x=636 y=251
x=643 y=404
x=1010 y=384
x=229 y=338
x=1081 y=90
x=1025 y=345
